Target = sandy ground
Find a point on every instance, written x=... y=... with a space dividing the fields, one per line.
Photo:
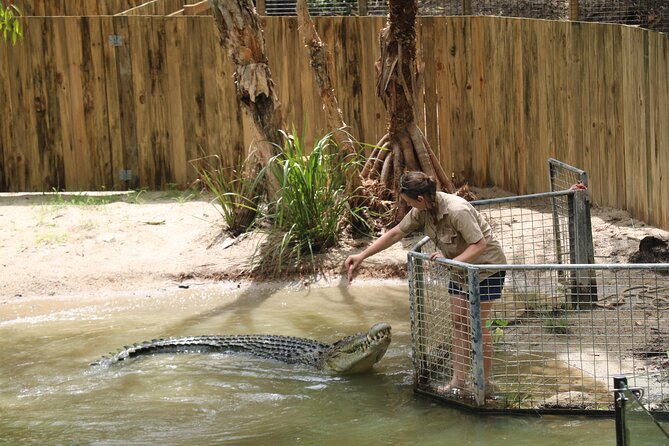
x=54 y=248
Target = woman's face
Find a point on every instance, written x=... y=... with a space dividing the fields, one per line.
x=419 y=202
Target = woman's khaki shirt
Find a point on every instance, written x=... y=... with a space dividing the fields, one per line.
x=457 y=225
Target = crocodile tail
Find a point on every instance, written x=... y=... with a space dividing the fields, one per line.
x=162 y=345
x=282 y=348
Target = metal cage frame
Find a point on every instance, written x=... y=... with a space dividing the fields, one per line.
x=564 y=326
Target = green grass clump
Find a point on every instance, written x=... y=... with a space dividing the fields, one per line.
x=236 y=194
x=312 y=208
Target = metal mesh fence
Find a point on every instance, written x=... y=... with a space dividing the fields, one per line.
x=546 y=350
x=652 y=14
x=531 y=228
x=563 y=326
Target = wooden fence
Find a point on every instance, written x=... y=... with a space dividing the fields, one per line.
x=126 y=101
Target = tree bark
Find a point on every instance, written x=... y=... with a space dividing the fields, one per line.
x=321 y=62
x=396 y=85
x=242 y=37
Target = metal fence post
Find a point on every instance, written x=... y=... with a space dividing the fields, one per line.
x=477 y=335
x=620 y=384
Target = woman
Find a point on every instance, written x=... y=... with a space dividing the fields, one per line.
x=460 y=233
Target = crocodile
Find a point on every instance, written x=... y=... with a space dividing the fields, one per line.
x=352 y=354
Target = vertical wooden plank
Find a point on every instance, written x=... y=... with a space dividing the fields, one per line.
x=458 y=107
x=350 y=71
x=78 y=175
x=153 y=161
x=9 y=106
x=520 y=101
x=231 y=114
x=648 y=126
x=636 y=168
x=506 y=123
x=175 y=36
x=504 y=150
x=596 y=92
x=544 y=147
x=492 y=154
x=618 y=163
x=581 y=69
x=443 y=41
x=26 y=162
x=659 y=105
x=99 y=153
x=49 y=119
x=467 y=102
x=479 y=52
x=216 y=117
x=647 y=182
x=141 y=79
x=6 y=109
x=349 y=74
x=533 y=158
x=192 y=95
x=609 y=153
x=275 y=32
x=60 y=55
x=305 y=103
x=126 y=157
x=373 y=106
x=113 y=94
x=563 y=122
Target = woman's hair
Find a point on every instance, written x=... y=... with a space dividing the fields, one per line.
x=415 y=183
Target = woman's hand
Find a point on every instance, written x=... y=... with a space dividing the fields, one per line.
x=389 y=238
x=351 y=264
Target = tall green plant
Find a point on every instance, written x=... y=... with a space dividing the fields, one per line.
x=312 y=209
x=10 y=27
x=236 y=194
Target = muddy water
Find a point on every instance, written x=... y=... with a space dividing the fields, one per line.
x=49 y=394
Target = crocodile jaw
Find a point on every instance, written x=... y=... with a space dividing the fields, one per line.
x=358 y=353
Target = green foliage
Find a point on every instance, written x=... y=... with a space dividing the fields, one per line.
x=557 y=322
x=496 y=326
x=60 y=198
x=180 y=195
x=10 y=27
x=312 y=208
x=236 y=195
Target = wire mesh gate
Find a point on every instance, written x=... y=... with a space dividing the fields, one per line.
x=564 y=326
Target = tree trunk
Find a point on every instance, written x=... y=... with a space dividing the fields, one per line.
x=241 y=36
x=404 y=147
x=321 y=61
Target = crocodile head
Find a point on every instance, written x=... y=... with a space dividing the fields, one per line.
x=359 y=352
